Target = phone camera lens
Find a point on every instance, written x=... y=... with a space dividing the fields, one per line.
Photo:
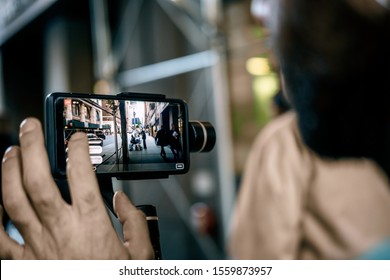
x=202 y=136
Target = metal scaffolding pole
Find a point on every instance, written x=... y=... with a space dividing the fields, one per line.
x=101 y=41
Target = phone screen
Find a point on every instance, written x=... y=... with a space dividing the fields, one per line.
x=125 y=135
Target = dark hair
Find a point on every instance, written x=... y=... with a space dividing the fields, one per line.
x=280 y=102
x=336 y=66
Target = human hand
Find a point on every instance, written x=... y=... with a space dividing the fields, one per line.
x=53 y=229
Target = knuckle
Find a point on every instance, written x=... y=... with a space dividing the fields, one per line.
x=35 y=179
x=90 y=199
x=42 y=199
x=11 y=203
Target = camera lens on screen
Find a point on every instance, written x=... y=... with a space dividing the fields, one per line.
x=202 y=136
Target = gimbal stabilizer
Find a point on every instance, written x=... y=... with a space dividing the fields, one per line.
x=157 y=112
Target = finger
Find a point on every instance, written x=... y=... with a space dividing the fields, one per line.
x=81 y=177
x=1 y=215
x=9 y=249
x=38 y=182
x=135 y=228
x=15 y=198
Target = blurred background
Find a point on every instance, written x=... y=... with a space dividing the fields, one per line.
x=211 y=53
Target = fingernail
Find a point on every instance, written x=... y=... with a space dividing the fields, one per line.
x=9 y=149
x=27 y=125
x=117 y=193
x=8 y=153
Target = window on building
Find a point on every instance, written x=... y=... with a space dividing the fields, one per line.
x=88 y=113
x=97 y=116
x=75 y=108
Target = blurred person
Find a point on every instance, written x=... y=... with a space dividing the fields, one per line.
x=316 y=184
x=293 y=204
x=162 y=140
x=143 y=134
x=53 y=229
x=174 y=142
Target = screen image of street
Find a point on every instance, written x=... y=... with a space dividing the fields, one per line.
x=127 y=135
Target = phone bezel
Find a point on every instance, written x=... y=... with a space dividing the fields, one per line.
x=55 y=142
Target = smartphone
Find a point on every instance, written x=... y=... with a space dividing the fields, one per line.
x=130 y=135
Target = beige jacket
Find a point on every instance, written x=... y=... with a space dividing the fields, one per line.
x=294 y=205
